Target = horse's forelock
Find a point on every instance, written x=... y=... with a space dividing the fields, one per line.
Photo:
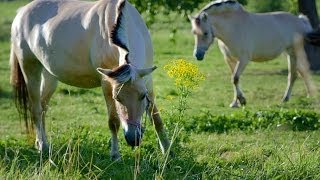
x=122 y=74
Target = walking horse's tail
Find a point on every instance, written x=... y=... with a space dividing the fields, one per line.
x=311 y=36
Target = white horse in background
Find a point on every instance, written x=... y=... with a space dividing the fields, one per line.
x=78 y=43
x=244 y=36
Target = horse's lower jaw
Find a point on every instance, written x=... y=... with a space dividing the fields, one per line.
x=200 y=59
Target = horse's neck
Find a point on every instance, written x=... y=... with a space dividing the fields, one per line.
x=136 y=41
x=228 y=25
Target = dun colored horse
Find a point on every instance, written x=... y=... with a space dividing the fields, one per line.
x=85 y=44
x=244 y=36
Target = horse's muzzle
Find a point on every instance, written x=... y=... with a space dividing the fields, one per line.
x=199 y=54
x=133 y=135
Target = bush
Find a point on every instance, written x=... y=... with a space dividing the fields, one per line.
x=273 y=5
x=248 y=121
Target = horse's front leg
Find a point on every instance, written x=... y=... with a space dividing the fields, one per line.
x=292 y=75
x=238 y=94
x=114 y=122
x=158 y=124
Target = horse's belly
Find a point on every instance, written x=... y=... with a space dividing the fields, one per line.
x=262 y=58
x=82 y=81
x=267 y=54
x=73 y=73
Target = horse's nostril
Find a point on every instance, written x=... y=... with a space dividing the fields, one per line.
x=199 y=57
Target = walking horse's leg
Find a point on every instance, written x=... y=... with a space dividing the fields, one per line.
x=113 y=121
x=32 y=69
x=303 y=66
x=292 y=73
x=238 y=95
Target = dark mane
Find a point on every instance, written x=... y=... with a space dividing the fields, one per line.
x=115 y=36
x=218 y=4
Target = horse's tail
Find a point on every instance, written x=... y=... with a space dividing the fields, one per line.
x=311 y=36
x=20 y=92
x=306 y=23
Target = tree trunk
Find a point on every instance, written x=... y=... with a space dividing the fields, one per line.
x=308 y=8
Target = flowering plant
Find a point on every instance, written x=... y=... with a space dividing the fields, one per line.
x=187 y=77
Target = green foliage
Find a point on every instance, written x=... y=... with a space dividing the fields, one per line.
x=272 y=5
x=248 y=121
x=266 y=5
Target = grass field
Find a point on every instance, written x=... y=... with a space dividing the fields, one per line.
x=264 y=140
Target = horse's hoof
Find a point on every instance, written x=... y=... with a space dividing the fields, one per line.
x=242 y=101
x=115 y=157
x=234 y=105
x=172 y=154
x=285 y=99
x=41 y=146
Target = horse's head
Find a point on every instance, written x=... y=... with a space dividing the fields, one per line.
x=203 y=34
x=130 y=94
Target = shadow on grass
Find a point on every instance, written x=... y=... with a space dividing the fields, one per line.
x=5 y=94
x=85 y=154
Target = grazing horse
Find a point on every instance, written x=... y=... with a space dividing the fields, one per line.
x=85 y=44
x=244 y=36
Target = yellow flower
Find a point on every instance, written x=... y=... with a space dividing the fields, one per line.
x=184 y=73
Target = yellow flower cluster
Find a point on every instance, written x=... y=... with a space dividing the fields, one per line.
x=184 y=73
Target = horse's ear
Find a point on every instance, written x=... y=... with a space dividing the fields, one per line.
x=190 y=17
x=119 y=75
x=144 y=72
x=105 y=72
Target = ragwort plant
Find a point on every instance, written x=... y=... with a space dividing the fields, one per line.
x=187 y=78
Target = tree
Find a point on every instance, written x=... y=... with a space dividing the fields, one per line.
x=308 y=8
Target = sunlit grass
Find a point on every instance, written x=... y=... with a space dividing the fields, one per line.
x=214 y=142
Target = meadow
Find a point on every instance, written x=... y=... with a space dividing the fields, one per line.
x=266 y=139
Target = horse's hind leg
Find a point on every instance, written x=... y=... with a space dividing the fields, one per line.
x=32 y=70
x=303 y=68
x=114 y=122
x=292 y=74
x=48 y=86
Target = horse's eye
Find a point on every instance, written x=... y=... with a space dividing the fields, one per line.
x=205 y=34
x=116 y=98
x=142 y=97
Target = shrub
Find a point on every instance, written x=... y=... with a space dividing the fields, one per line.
x=296 y=120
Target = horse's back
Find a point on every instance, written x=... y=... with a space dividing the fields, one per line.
x=59 y=34
x=71 y=38
x=273 y=33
